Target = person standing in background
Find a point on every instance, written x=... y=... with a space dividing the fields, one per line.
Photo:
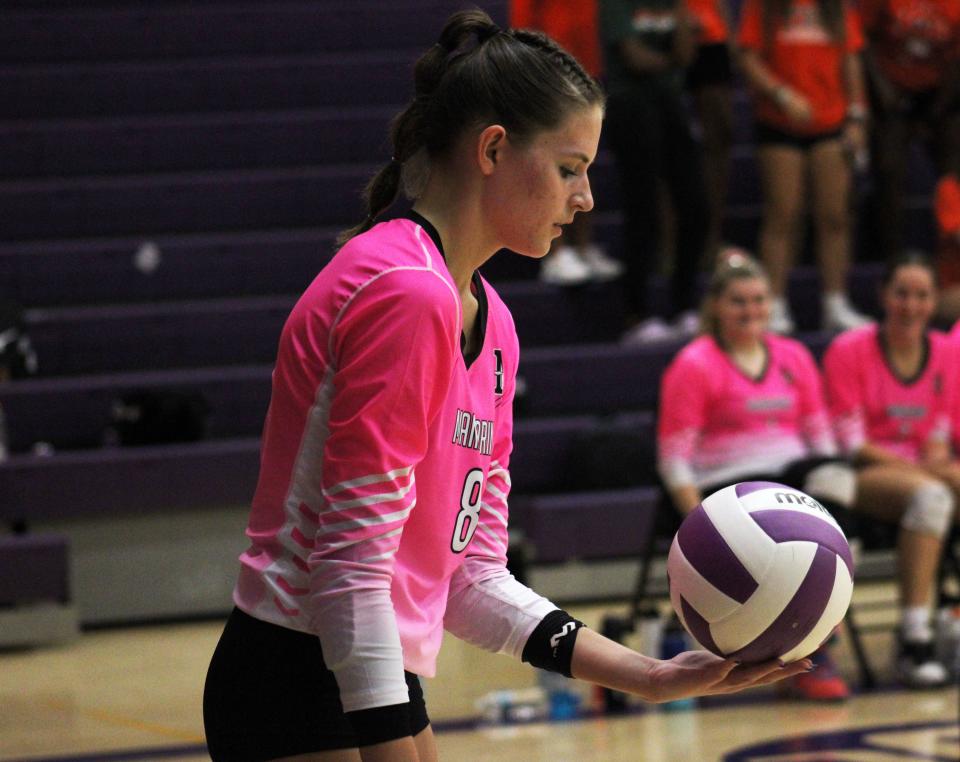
x=801 y=60
x=647 y=46
x=709 y=80
x=913 y=72
x=574 y=258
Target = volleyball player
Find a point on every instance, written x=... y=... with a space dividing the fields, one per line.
x=380 y=516
x=740 y=403
x=891 y=389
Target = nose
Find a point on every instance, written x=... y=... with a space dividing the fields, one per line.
x=583 y=197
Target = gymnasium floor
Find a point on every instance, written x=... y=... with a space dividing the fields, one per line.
x=134 y=694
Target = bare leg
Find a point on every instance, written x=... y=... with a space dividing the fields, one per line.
x=715 y=108
x=830 y=187
x=426 y=745
x=782 y=171
x=883 y=492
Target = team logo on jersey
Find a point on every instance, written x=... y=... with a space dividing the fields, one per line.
x=473 y=433
x=498 y=372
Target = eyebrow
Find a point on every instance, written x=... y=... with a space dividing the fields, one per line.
x=579 y=156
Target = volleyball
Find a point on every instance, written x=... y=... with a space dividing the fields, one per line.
x=760 y=571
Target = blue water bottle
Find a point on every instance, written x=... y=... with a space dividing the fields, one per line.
x=672 y=642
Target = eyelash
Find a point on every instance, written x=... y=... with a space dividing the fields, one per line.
x=564 y=172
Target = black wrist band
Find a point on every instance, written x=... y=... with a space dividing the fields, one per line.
x=550 y=645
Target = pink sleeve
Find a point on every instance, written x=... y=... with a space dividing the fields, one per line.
x=814 y=420
x=487 y=606
x=843 y=395
x=681 y=418
x=393 y=347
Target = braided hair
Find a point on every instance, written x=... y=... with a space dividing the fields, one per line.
x=476 y=74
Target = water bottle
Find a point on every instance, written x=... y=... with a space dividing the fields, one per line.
x=948 y=637
x=513 y=706
x=563 y=702
x=673 y=642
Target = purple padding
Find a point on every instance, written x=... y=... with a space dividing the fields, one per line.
x=800 y=615
x=699 y=627
x=708 y=553
x=747 y=487
x=784 y=526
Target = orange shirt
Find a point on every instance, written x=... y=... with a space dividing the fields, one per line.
x=913 y=41
x=573 y=25
x=709 y=19
x=805 y=57
x=946 y=205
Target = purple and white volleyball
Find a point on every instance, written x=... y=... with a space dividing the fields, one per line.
x=760 y=571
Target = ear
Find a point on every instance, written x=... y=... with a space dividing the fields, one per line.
x=489 y=146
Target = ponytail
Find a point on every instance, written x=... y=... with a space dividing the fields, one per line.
x=476 y=74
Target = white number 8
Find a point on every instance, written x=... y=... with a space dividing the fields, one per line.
x=469 y=517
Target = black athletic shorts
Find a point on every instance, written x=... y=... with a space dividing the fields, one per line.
x=269 y=694
x=711 y=66
x=767 y=135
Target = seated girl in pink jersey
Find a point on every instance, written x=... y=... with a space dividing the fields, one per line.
x=380 y=515
x=740 y=403
x=890 y=388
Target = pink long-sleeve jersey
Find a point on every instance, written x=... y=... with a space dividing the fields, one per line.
x=716 y=424
x=380 y=515
x=869 y=402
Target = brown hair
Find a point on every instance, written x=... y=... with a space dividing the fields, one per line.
x=736 y=265
x=775 y=12
x=476 y=74
x=908 y=258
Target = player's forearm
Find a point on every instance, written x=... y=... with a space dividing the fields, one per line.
x=602 y=661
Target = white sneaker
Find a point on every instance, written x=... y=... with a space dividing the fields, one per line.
x=564 y=267
x=839 y=315
x=781 y=321
x=650 y=331
x=602 y=267
x=687 y=323
x=917 y=665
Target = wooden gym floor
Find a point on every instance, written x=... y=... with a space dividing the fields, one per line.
x=135 y=694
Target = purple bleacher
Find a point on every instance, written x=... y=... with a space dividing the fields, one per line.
x=34 y=568
x=72 y=340
x=354 y=78
x=545 y=450
x=305 y=196
x=570 y=380
x=74 y=412
x=193 y=142
x=590 y=525
x=255 y=263
x=140 y=480
x=194 y=202
x=153 y=31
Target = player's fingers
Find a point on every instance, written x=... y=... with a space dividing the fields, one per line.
x=804 y=665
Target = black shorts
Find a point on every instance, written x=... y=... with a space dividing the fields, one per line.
x=767 y=135
x=710 y=67
x=269 y=694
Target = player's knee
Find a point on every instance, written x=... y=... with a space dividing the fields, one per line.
x=929 y=509
x=833 y=483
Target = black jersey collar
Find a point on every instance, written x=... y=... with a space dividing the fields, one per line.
x=475 y=279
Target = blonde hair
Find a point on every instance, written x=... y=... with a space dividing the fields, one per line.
x=734 y=264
